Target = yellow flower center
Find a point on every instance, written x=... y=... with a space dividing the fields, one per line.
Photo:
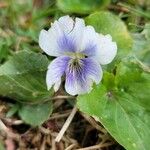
x=75 y=55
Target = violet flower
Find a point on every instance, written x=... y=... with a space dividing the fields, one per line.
x=80 y=52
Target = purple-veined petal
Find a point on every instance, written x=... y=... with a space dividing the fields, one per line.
x=98 y=46
x=93 y=69
x=63 y=36
x=70 y=41
x=106 y=50
x=79 y=80
x=55 y=71
x=66 y=44
x=48 y=40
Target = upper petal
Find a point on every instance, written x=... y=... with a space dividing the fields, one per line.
x=89 y=43
x=66 y=23
x=48 y=43
x=63 y=25
x=64 y=35
x=79 y=80
x=98 y=46
x=68 y=33
x=66 y=44
x=48 y=40
x=106 y=50
x=77 y=32
x=55 y=71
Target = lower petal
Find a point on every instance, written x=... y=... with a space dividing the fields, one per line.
x=93 y=70
x=57 y=85
x=79 y=81
x=55 y=71
x=76 y=86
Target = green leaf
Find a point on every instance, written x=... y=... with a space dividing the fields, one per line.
x=14 y=108
x=35 y=114
x=129 y=77
x=127 y=73
x=109 y=80
x=141 y=48
x=146 y=31
x=5 y=44
x=81 y=6
x=2 y=145
x=107 y=23
x=124 y=112
x=23 y=77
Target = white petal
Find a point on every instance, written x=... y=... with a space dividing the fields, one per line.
x=55 y=71
x=106 y=50
x=63 y=26
x=57 y=85
x=66 y=24
x=77 y=32
x=89 y=39
x=48 y=43
x=76 y=87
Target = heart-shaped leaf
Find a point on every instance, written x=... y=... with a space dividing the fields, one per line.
x=23 y=77
x=35 y=114
x=124 y=109
x=81 y=6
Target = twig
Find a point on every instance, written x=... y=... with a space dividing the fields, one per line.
x=43 y=144
x=63 y=97
x=66 y=125
x=53 y=144
x=3 y=127
x=58 y=116
x=119 y=8
x=13 y=122
x=71 y=146
x=44 y=130
x=97 y=146
x=58 y=103
x=7 y=131
x=93 y=123
x=135 y=11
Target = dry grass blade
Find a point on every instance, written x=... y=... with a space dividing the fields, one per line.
x=7 y=131
x=93 y=123
x=66 y=125
x=97 y=146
